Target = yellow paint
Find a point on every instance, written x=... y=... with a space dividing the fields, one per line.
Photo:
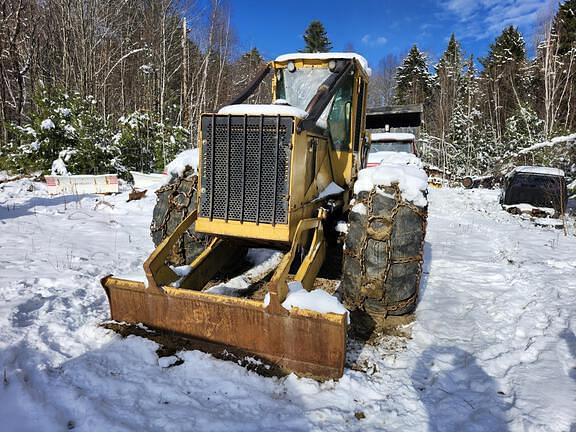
x=310 y=172
x=246 y=230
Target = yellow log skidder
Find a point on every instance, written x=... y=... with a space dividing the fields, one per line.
x=269 y=176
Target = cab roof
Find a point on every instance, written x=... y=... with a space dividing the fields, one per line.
x=538 y=170
x=326 y=56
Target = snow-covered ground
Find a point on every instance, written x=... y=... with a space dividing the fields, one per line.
x=493 y=346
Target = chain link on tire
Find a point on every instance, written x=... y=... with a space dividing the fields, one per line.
x=173 y=203
x=382 y=258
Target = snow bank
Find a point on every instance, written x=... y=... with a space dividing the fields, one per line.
x=412 y=181
x=499 y=358
x=176 y=168
x=551 y=143
x=262 y=109
x=395 y=158
x=316 y=300
x=326 y=56
x=538 y=170
x=391 y=136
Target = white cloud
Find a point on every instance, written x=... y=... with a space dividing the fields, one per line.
x=480 y=19
x=368 y=39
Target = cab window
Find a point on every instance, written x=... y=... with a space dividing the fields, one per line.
x=340 y=113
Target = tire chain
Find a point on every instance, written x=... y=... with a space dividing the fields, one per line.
x=180 y=202
x=359 y=256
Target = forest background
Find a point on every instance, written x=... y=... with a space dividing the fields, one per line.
x=106 y=86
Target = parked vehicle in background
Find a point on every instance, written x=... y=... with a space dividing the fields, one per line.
x=383 y=142
x=536 y=191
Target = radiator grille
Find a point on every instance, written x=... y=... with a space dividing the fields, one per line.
x=245 y=168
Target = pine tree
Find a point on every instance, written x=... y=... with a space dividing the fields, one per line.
x=504 y=80
x=465 y=135
x=245 y=70
x=564 y=25
x=316 y=38
x=64 y=126
x=444 y=96
x=413 y=81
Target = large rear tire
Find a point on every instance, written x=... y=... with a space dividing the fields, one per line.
x=382 y=258
x=173 y=203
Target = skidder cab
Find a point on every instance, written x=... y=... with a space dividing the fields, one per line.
x=272 y=176
x=263 y=167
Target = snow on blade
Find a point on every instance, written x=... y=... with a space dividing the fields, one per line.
x=326 y=56
x=262 y=109
x=412 y=181
x=316 y=300
x=391 y=136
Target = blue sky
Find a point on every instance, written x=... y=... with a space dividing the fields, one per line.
x=376 y=28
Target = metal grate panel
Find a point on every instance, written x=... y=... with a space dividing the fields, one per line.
x=246 y=168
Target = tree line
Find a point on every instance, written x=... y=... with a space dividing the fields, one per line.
x=105 y=85
x=122 y=83
x=484 y=122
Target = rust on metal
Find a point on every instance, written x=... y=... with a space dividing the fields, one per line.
x=308 y=343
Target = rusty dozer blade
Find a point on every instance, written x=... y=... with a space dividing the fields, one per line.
x=306 y=342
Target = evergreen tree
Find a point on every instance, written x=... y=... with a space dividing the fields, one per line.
x=444 y=96
x=564 y=26
x=245 y=70
x=465 y=135
x=66 y=127
x=523 y=129
x=413 y=81
x=504 y=80
x=316 y=38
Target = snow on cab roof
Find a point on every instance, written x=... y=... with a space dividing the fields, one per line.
x=255 y=109
x=391 y=136
x=538 y=170
x=327 y=56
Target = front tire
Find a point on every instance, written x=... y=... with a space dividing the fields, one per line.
x=382 y=258
x=174 y=202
